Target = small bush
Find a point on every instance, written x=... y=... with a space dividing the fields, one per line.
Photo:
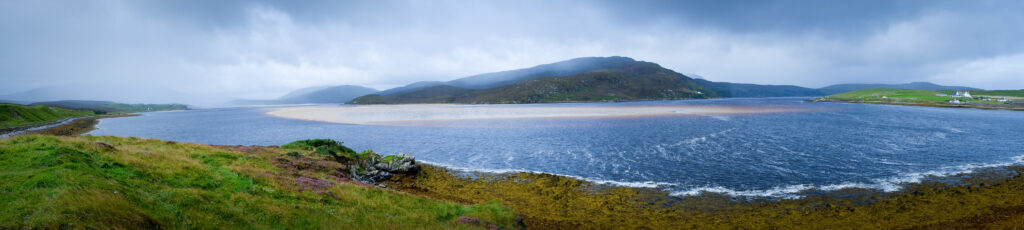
x=330 y=147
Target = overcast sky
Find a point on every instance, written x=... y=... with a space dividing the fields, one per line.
x=203 y=51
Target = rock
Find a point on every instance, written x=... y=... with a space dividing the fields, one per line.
x=400 y=164
x=104 y=146
x=374 y=168
x=468 y=220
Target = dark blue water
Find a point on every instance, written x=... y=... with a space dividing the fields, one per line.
x=775 y=154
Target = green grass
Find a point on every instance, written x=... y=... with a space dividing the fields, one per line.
x=117 y=183
x=923 y=96
x=106 y=107
x=895 y=94
x=12 y=115
x=1018 y=94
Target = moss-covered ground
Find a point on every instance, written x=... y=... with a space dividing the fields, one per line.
x=102 y=182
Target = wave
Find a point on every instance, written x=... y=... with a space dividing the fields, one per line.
x=632 y=184
x=890 y=184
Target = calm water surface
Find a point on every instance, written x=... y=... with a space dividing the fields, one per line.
x=829 y=146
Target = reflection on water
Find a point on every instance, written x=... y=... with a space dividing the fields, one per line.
x=826 y=146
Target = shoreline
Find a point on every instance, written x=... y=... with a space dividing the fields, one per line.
x=536 y=196
x=1012 y=107
x=67 y=127
x=889 y=185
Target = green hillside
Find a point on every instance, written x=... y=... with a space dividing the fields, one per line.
x=130 y=183
x=644 y=81
x=926 y=96
x=12 y=115
x=894 y=94
x=104 y=107
x=726 y=89
x=433 y=94
x=632 y=81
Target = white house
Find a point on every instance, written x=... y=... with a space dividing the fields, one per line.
x=1002 y=99
x=963 y=94
x=954 y=101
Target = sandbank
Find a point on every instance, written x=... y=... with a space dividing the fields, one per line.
x=412 y=113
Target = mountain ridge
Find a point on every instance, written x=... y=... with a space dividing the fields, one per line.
x=598 y=79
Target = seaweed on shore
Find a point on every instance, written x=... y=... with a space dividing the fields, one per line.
x=987 y=199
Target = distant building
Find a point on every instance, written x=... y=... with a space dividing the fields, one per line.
x=884 y=97
x=986 y=98
x=1002 y=99
x=963 y=94
x=954 y=101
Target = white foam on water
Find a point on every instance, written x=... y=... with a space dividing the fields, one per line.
x=890 y=184
x=722 y=118
x=788 y=191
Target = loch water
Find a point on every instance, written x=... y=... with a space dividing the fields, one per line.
x=824 y=146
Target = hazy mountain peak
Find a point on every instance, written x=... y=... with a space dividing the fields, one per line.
x=330 y=94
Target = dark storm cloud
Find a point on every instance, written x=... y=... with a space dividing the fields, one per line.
x=217 y=50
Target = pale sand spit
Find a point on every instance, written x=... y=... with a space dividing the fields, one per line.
x=412 y=113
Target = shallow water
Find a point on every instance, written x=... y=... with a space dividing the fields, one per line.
x=823 y=146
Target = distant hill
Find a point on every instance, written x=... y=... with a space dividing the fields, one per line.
x=141 y=94
x=332 y=94
x=318 y=94
x=562 y=68
x=12 y=115
x=842 y=88
x=726 y=89
x=595 y=79
x=104 y=107
x=503 y=78
x=410 y=87
x=432 y=94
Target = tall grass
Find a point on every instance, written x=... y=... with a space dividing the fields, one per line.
x=116 y=183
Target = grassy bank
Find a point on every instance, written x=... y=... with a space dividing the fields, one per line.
x=112 y=182
x=554 y=202
x=78 y=127
x=107 y=107
x=13 y=116
x=929 y=98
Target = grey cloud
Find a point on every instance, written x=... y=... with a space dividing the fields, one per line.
x=218 y=50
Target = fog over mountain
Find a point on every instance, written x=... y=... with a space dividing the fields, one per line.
x=210 y=52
